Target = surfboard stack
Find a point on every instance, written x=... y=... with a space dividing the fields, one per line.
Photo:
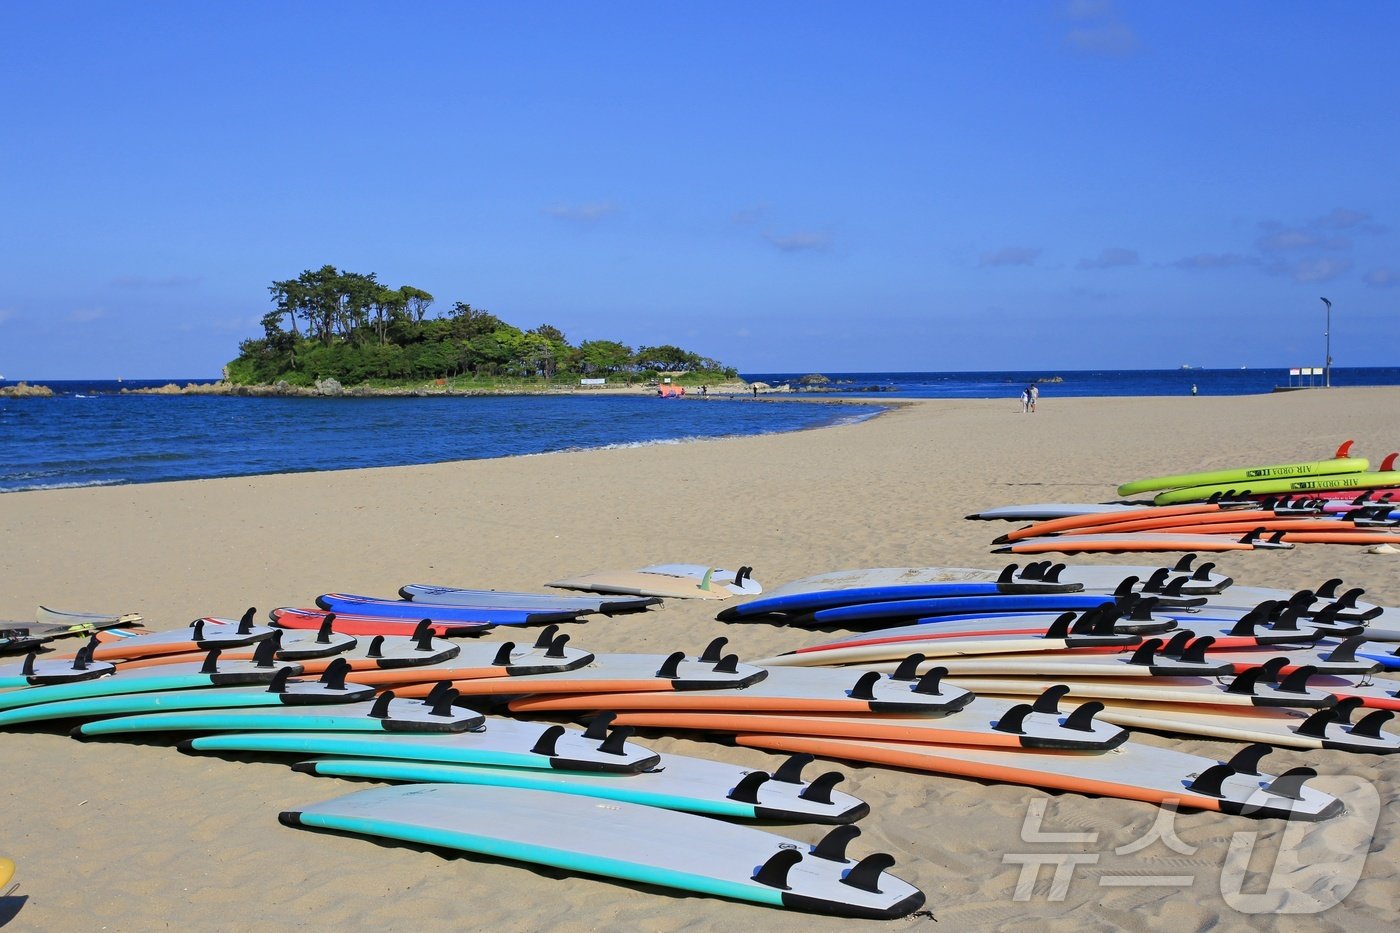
x=1223 y=510
x=493 y=785
x=1249 y=665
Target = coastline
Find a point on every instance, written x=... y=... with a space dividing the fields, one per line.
x=195 y=840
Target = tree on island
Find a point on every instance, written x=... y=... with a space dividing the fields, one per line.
x=332 y=324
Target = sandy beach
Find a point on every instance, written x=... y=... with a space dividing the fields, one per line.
x=136 y=836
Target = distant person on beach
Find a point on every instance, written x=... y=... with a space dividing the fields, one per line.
x=1033 y=391
x=1025 y=400
x=704 y=391
x=755 y=391
x=1193 y=388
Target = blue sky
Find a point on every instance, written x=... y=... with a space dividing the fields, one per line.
x=783 y=186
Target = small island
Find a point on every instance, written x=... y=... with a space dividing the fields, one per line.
x=339 y=332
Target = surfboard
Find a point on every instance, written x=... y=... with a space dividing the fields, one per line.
x=628 y=841
x=1184 y=577
x=369 y=626
x=785 y=689
x=636 y=583
x=905 y=609
x=505 y=743
x=1144 y=661
x=375 y=607
x=1047 y=511
x=739 y=582
x=502 y=599
x=381 y=651
x=680 y=782
x=1123 y=521
x=1133 y=541
x=331 y=688
x=983 y=722
x=1132 y=771
x=1247 y=689
x=23 y=636
x=387 y=713
x=211 y=672
x=1350 y=481
x=34 y=671
x=1339 y=464
x=622 y=673
x=1315 y=729
x=199 y=636
x=802 y=603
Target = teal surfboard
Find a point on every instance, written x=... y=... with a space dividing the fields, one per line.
x=627 y=841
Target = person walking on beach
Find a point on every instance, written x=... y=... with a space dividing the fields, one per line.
x=1193 y=390
x=1025 y=400
x=1033 y=391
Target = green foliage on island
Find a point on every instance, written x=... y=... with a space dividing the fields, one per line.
x=329 y=324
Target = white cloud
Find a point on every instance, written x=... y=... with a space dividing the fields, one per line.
x=1303 y=271
x=798 y=240
x=1113 y=257
x=1010 y=256
x=1213 y=261
x=1376 y=278
x=588 y=213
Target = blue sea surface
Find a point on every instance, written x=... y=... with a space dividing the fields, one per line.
x=89 y=435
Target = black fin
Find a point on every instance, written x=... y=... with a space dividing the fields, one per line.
x=1290 y=783
x=1014 y=719
x=864 y=688
x=323 y=634
x=1177 y=644
x=671 y=667
x=790 y=771
x=1316 y=724
x=556 y=647
x=1211 y=780
x=598 y=726
x=546 y=636
x=746 y=791
x=866 y=875
x=279 y=681
x=1369 y=726
x=502 y=658
x=1271 y=668
x=1104 y=624
x=245 y=624
x=819 y=791
x=1195 y=653
x=1245 y=682
x=1348 y=599
x=1060 y=627
x=616 y=740
x=743 y=574
x=1184 y=562
x=1008 y=574
x=1246 y=760
x=197 y=630
x=1082 y=717
x=1155 y=580
x=1244 y=628
x=334 y=674
x=833 y=845
x=27 y=667
x=1125 y=586
x=729 y=664
x=266 y=652
x=380 y=709
x=423 y=636
x=1285 y=620
x=1328 y=590
x=1297 y=682
x=1049 y=699
x=928 y=684
x=908 y=668
x=774 y=872
x=211 y=662
x=547 y=742
x=439 y=688
x=442 y=704
x=1146 y=652
x=714 y=650
x=1203 y=572
x=376 y=647
x=1033 y=570
x=1175 y=587
x=1346 y=651
x=1053 y=574
x=1344 y=707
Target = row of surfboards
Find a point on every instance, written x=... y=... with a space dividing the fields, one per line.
x=1332 y=501
x=399 y=708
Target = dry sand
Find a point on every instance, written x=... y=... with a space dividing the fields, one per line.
x=139 y=836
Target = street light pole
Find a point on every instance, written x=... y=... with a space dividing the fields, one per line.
x=1327 y=334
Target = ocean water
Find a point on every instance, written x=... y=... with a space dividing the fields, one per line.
x=90 y=434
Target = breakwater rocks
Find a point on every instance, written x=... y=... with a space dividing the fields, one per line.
x=25 y=390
